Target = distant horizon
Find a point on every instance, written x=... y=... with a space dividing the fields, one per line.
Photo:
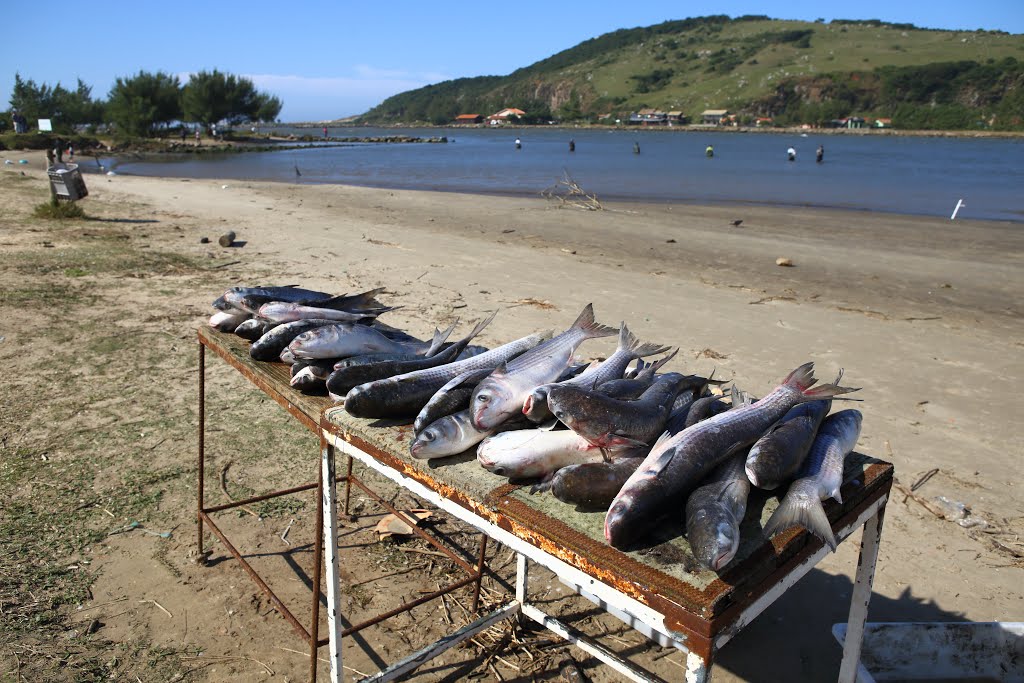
x=326 y=64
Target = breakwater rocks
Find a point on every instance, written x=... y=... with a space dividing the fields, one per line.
x=284 y=143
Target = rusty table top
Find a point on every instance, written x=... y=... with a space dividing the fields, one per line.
x=664 y=574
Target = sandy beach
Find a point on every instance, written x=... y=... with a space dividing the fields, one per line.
x=99 y=403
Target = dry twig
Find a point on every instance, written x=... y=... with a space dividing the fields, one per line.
x=568 y=192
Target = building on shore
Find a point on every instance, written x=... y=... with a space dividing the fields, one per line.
x=468 y=119
x=714 y=117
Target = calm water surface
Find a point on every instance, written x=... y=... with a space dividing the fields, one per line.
x=875 y=173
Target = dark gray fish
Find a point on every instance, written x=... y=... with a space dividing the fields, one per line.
x=270 y=345
x=714 y=512
x=593 y=485
x=676 y=464
x=344 y=379
x=705 y=407
x=320 y=369
x=820 y=477
x=503 y=393
x=233 y=298
x=405 y=395
x=776 y=456
x=634 y=384
x=629 y=349
x=612 y=424
x=451 y=398
x=254 y=328
x=353 y=303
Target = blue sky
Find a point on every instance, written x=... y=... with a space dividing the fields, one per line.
x=327 y=60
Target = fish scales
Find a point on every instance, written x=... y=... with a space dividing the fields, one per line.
x=405 y=395
x=714 y=512
x=677 y=463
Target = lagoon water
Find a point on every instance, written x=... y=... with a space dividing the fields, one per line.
x=912 y=175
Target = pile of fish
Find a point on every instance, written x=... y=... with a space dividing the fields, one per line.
x=619 y=435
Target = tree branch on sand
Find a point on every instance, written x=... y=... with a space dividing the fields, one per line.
x=568 y=192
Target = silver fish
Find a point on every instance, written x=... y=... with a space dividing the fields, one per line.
x=503 y=393
x=254 y=328
x=405 y=395
x=529 y=453
x=286 y=312
x=629 y=349
x=452 y=397
x=270 y=345
x=819 y=478
x=714 y=512
x=227 y=321
x=449 y=435
x=676 y=464
x=350 y=339
x=777 y=455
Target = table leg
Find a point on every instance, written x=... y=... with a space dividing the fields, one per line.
x=318 y=567
x=697 y=670
x=202 y=442
x=330 y=539
x=480 y=569
x=861 y=597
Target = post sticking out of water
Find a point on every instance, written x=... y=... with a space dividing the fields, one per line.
x=959 y=204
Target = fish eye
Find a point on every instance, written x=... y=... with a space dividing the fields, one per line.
x=428 y=435
x=483 y=398
x=500 y=471
x=560 y=414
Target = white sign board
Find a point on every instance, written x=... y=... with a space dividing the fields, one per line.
x=44 y=125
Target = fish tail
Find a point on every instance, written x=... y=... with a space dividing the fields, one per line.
x=652 y=368
x=629 y=342
x=591 y=327
x=480 y=327
x=802 y=379
x=366 y=299
x=440 y=337
x=802 y=507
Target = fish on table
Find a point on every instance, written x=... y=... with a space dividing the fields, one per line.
x=450 y=398
x=820 y=477
x=629 y=349
x=633 y=383
x=405 y=395
x=531 y=453
x=676 y=464
x=503 y=393
x=228 y=321
x=342 y=339
x=286 y=312
x=270 y=345
x=254 y=328
x=714 y=512
x=778 y=454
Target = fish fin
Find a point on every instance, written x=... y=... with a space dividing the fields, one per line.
x=548 y=426
x=367 y=298
x=652 y=368
x=837 y=496
x=804 y=510
x=591 y=327
x=827 y=391
x=544 y=484
x=500 y=371
x=440 y=337
x=802 y=378
x=665 y=436
x=612 y=440
x=480 y=327
x=629 y=342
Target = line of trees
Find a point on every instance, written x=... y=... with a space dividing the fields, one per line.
x=146 y=102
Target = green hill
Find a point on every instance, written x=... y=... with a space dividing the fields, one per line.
x=794 y=71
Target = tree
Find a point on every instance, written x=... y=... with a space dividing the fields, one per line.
x=209 y=97
x=65 y=108
x=31 y=100
x=137 y=105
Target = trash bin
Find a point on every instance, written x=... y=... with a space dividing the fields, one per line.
x=67 y=182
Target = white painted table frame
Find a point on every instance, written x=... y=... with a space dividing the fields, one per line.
x=635 y=614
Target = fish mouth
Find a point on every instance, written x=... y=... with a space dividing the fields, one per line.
x=723 y=558
x=528 y=405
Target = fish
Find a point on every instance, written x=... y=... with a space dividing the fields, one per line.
x=344 y=379
x=307 y=380
x=227 y=321
x=452 y=397
x=594 y=485
x=629 y=349
x=270 y=345
x=705 y=407
x=503 y=393
x=232 y=298
x=254 y=328
x=676 y=464
x=610 y=423
x=820 y=477
x=286 y=312
x=405 y=395
x=714 y=512
x=350 y=339
x=633 y=384
x=531 y=453
x=778 y=454
x=448 y=435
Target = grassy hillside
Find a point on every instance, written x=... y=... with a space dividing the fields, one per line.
x=697 y=64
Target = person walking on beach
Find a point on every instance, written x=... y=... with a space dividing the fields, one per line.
x=819 y=155
x=791 y=154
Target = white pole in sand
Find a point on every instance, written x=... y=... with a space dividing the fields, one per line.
x=959 y=203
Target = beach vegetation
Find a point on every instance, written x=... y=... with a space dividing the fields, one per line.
x=58 y=210
x=210 y=97
x=139 y=104
x=64 y=108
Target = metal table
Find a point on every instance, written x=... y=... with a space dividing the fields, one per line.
x=656 y=591
x=273 y=380
x=659 y=591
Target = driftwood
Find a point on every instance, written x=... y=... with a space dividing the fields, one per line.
x=569 y=193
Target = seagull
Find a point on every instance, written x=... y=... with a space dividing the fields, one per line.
x=737 y=222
